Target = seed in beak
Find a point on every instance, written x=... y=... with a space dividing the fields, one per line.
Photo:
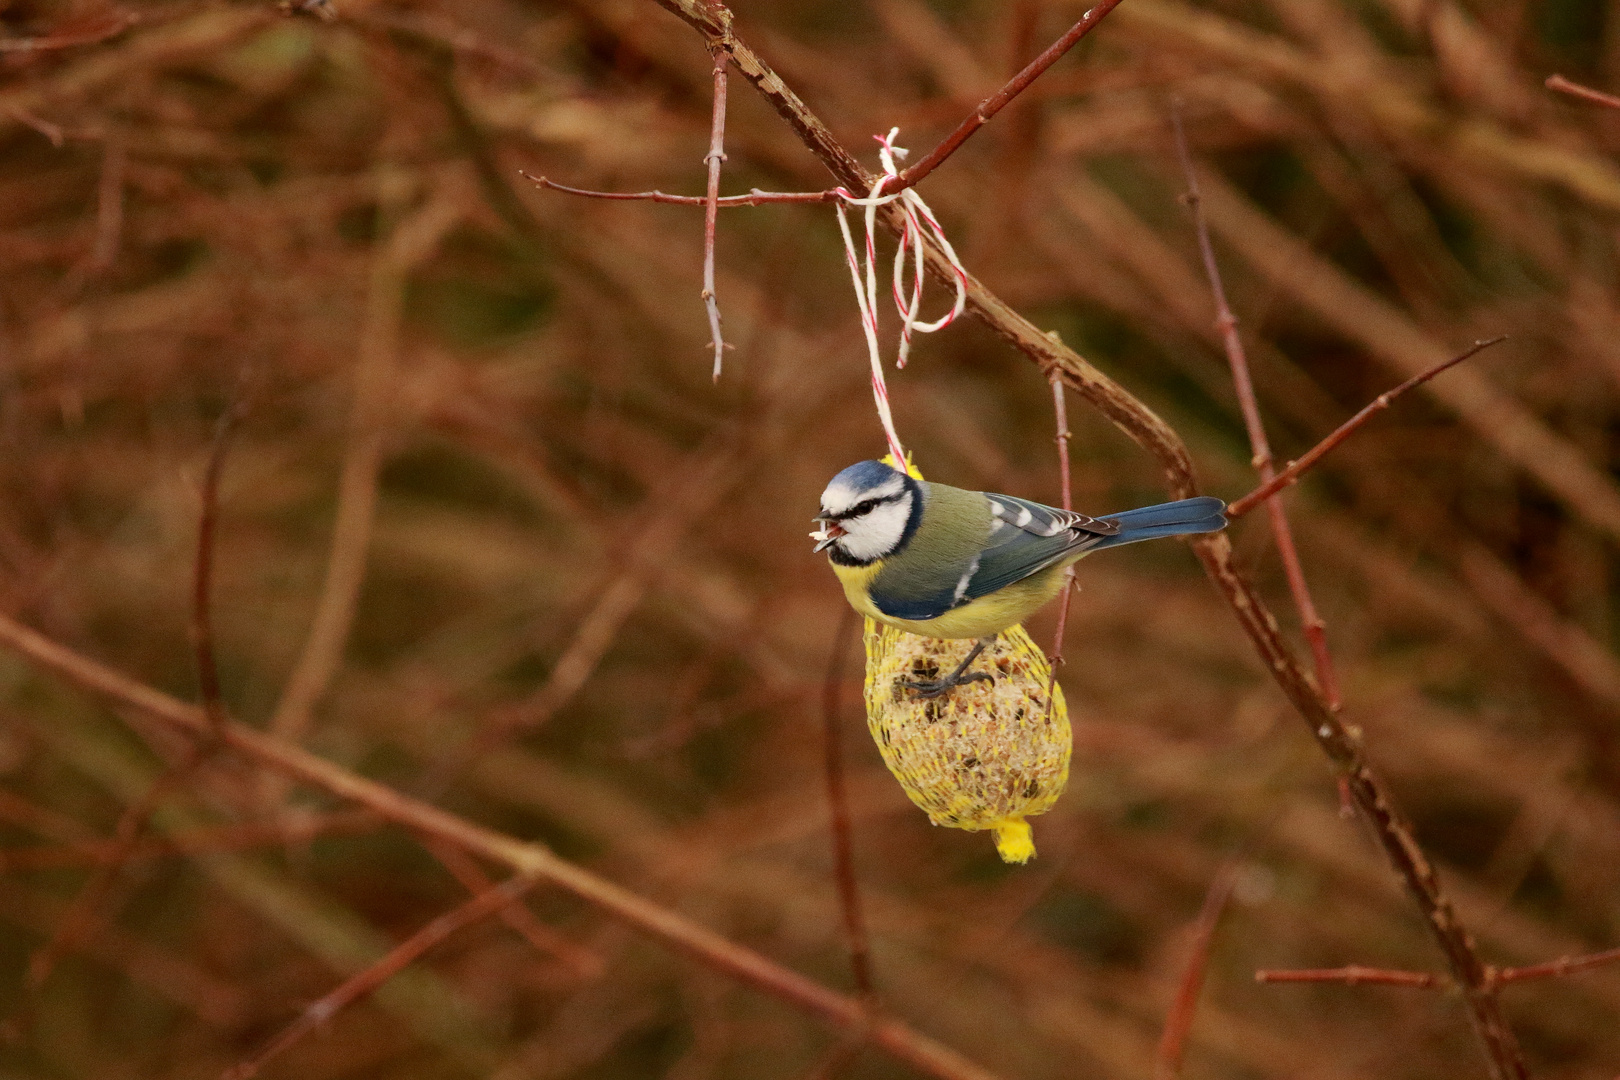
x=829 y=531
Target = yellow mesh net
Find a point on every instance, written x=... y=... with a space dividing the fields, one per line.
x=983 y=756
x=986 y=755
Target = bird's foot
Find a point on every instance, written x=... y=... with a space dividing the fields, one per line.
x=933 y=688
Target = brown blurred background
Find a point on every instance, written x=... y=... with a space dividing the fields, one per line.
x=482 y=483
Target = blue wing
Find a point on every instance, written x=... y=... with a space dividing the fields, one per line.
x=1027 y=538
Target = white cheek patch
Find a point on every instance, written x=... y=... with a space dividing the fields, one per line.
x=876 y=533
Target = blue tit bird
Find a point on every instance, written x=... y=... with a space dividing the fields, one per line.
x=943 y=562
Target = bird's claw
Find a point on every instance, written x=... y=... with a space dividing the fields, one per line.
x=933 y=688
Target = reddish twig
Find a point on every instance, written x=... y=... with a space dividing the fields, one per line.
x=204 y=841
x=1178 y=1023
x=109 y=228
x=216 y=1001
x=849 y=897
x=1311 y=622
x=1060 y=410
x=365 y=982
x=464 y=868
x=755 y=197
x=53 y=132
x=1296 y=469
x=1423 y=980
x=1552 y=969
x=1575 y=89
x=110 y=26
x=698 y=942
x=711 y=205
x=52 y=824
x=1001 y=98
x=1353 y=976
x=202 y=588
x=82 y=914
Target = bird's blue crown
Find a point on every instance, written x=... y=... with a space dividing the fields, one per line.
x=864 y=476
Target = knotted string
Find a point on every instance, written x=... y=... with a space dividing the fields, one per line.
x=919 y=221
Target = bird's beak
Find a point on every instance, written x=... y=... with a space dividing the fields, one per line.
x=829 y=531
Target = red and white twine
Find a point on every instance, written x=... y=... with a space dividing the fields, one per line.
x=918 y=218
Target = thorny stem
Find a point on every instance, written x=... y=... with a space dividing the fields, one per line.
x=849 y=897
x=406 y=952
x=1296 y=469
x=1315 y=629
x=1178 y=1024
x=1353 y=976
x=715 y=157
x=755 y=197
x=1564 y=965
x=1423 y=980
x=1575 y=89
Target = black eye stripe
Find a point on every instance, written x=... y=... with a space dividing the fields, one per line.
x=865 y=506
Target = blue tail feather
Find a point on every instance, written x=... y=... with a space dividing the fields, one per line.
x=1184 y=517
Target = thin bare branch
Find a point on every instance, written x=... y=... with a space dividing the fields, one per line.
x=215 y=1000
x=202 y=584
x=412 y=240
x=100 y=29
x=1178 y=1024
x=1575 y=89
x=85 y=917
x=1553 y=969
x=849 y=896
x=711 y=203
x=84 y=913
x=206 y=841
x=1060 y=410
x=583 y=962
x=755 y=197
x=1296 y=469
x=365 y=982
x=1001 y=98
x=1311 y=622
x=1423 y=980
x=1354 y=976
